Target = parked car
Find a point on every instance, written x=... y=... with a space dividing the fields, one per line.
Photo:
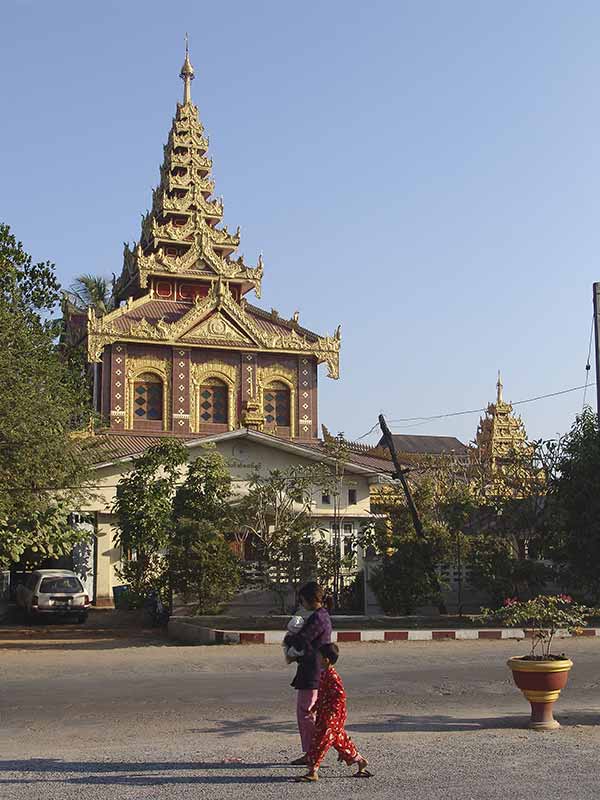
x=53 y=592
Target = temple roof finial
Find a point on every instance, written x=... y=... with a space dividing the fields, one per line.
x=499 y=387
x=187 y=74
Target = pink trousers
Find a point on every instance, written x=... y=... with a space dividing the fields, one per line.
x=306 y=698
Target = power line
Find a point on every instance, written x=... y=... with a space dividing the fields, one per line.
x=422 y=420
x=364 y=436
x=479 y=410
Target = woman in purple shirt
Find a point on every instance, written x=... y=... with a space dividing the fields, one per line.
x=316 y=632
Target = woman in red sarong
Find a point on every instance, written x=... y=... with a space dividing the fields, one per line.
x=331 y=714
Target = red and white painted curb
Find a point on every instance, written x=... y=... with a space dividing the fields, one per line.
x=276 y=637
x=179 y=629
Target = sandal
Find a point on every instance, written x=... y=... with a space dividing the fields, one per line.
x=307 y=779
x=363 y=772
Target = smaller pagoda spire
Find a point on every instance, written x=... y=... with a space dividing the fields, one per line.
x=187 y=74
x=499 y=387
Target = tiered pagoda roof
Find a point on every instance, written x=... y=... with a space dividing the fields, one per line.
x=181 y=238
x=500 y=433
x=179 y=234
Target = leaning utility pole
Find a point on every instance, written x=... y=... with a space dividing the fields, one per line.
x=418 y=525
x=597 y=335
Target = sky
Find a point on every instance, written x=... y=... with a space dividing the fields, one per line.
x=424 y=173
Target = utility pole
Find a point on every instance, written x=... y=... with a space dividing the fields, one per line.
x=418 y=525
x=597 y=336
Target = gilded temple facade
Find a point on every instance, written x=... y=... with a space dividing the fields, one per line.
x=500 y=434
x=185 y=352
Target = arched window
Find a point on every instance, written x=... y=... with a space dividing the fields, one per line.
x=147 y=398
x=214 y=402
x=276 y=405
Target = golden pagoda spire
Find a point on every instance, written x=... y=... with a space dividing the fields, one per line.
x=181 y=234
x=187 y=74
x=500 y=433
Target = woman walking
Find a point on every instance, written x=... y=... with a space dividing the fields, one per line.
x=315 y=633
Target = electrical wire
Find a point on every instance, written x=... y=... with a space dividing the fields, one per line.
x=479 y=410
x=368 y=433
x=422 y=420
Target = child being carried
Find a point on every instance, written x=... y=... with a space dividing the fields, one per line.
x=294 y=626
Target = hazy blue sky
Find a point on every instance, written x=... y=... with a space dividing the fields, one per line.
x=424 y=173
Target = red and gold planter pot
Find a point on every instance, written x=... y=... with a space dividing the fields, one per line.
x=541 y=682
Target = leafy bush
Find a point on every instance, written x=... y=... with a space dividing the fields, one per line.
x=495 y=570
x=545 y=615
x=401 y=582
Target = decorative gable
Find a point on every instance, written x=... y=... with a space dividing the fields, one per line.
x=217 y=328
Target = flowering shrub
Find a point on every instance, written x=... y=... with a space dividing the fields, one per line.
x=544 y=615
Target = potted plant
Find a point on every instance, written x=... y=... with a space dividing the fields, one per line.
x=541 y=675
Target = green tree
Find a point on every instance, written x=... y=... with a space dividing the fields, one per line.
x=493 y=522
x=202 y=566
x=43 y=466
x=337 y=450
x=206 y=492
x=144 y=511
x=402 y=581
x=509 y=532
x=574 y=508
x=28 y=288
x=277 y=514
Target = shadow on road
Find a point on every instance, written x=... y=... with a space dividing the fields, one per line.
x=51 y=770
x=401 y=723
x=237 y=727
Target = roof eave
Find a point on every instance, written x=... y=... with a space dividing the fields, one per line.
x=259 y=437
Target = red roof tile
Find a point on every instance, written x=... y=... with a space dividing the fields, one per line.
x=152 y=311
x=113 y=446
x=122 y=445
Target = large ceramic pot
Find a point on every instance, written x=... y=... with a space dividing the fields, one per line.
x=541 y=682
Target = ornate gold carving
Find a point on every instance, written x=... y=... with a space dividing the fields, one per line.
x=252 y=415
x=216 y=328
x=206 y=253
x=191 y=160
x=172 y=233
x=191 y=123
x=101 y=330
x=222 y=236
x=157 y=366
x=186 y=147
x=163 y=204
x=199 y=256
x=500 y=434
x=190 y=137
x=146 y=330
x=200 y=374
x=326 y=348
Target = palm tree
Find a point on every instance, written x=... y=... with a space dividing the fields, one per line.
x=92 y=290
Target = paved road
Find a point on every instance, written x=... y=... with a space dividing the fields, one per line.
x=102 y=714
